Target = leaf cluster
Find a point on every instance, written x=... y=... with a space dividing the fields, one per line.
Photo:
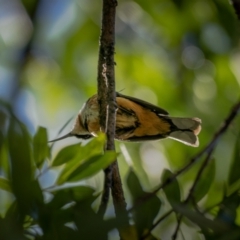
x=59 y=211
x=65 y=210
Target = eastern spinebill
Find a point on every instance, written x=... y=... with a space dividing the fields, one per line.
x=136 y=120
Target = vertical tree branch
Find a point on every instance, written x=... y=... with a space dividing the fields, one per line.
x=107 y=105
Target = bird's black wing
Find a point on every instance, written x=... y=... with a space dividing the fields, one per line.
x=145 y=104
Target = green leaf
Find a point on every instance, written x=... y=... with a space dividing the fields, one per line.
x=205 y=181
x=81 y=193
x=40 y=146
x=201 y=220
x=67 y=195
x=92 y=166
x=79 y=153
x=233 y=188
x=36 y=192
x=228 y=208
x=93 y=148
x=234 y=170
x=3 y=122
x=1 y=138
x=66 y=154
x=134 y=185
x=21 y=164
x=5 y=185
x=4 y=163
x=69 y=168
x=145 y=215
x=172 y=190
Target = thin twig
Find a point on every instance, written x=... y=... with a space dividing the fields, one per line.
x=196 y=207
x=206 y=149
x=199 y=174
x=211 y=207
x=146 y=235
x=183 y=237
x=192 y=189
x=179 y=220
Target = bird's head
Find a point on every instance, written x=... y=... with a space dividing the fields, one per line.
x=78 y=130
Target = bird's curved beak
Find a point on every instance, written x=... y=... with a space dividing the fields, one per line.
x=65 y=136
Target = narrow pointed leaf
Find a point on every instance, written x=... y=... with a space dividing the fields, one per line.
x=172 y=190
x=5 y=185
x=205 y=181
x=201 y=220
x=67 y=195
x=228 y=209
x=21 y=163
x=134 y=185
x=80 y=153
x=66 y=154
x=145 y=215
x=4 y=163
x=92 y=166
x=40 y=146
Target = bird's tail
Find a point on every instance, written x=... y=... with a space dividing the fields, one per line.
x=185 y=130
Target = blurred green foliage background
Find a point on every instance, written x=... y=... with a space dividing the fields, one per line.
x=181 y=55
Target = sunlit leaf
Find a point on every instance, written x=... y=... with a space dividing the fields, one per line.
x=92 y=166
x=4 y=163
x=234 y=187
x=129 y=232
x=66 y=154
x=40 y=146
x=172 y=190
x=78 y=153
x=5 y=185
x=93 y=148
x=82 y=192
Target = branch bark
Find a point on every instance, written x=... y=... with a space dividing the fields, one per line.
x=107 y=105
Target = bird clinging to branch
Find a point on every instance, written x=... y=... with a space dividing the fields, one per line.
x=136 y=120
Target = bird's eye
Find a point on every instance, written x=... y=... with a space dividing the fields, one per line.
x=87 y=136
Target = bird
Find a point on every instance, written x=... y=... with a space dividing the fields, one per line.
x=136 y=121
